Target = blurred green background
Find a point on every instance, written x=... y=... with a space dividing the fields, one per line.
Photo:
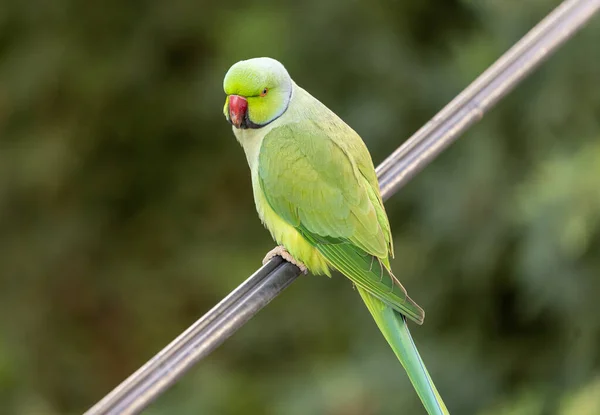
x=126 y=209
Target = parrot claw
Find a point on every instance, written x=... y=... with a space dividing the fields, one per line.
x=282 y=252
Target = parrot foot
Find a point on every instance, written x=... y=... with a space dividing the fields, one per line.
x=282 y=252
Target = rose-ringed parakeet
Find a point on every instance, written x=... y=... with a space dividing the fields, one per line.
x=316 y=190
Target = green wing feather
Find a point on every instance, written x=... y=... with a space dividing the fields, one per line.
x=314 y=185
x=368 y=273
x=320 y=179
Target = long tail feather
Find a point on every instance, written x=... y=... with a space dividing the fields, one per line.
x=395 y=330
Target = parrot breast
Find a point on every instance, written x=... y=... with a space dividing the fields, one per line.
x=286 y=235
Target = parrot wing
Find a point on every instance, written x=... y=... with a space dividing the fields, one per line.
x=327 y=189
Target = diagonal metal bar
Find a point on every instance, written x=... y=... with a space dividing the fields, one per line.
x=530 y=41
x=210 y=331
x=483 y=93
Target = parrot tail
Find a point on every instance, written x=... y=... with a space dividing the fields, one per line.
x=395 y=330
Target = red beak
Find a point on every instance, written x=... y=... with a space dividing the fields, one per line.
x=238 y=107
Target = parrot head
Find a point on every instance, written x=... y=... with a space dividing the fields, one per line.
x=258 y=92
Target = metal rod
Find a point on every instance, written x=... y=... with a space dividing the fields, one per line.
x=121 y=396
x=169 y=365
x=199 y=340
x=500 y=66
x=470 y=105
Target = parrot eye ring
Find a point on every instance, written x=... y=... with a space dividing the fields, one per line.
x=264 y=92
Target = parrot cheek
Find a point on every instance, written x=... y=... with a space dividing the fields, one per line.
x=238 y=109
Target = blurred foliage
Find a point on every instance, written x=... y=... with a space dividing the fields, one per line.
x=126 y=210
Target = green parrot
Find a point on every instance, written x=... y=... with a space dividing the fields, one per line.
x=316 y=191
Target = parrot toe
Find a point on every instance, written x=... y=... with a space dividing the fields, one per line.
x=282 y=252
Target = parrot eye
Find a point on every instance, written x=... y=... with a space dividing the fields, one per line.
x=264 y=92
